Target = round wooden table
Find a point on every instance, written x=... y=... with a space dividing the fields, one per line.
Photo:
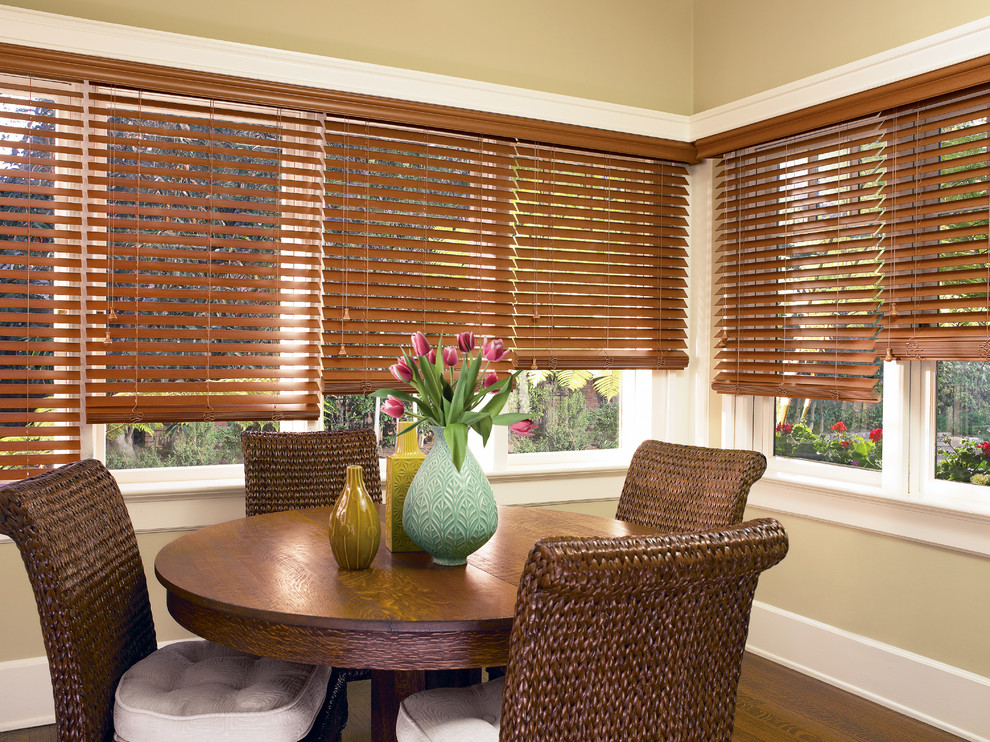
x=269 y=585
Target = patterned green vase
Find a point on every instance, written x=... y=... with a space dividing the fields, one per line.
x=448 y=513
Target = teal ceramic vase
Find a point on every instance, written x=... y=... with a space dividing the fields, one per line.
x=449 y=514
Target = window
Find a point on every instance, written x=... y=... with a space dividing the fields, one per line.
x=165 y=445
x=962 y=422
x=358 y=411
x=592 y=413
x=842 y=433
x=186 y=268
x=894 y=208
x=573 y=410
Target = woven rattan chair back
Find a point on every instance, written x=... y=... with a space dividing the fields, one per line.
x=287 y=471
x=635 y=638
x=81 y=555
x=676 y=488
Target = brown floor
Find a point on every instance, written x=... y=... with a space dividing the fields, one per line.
x=775 y=705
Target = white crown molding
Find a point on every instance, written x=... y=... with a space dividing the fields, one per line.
x=66 y=33
x=930 y=53
x=933 y=692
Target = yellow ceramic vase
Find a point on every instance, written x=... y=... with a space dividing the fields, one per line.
x=400 y=468
x=355 y=530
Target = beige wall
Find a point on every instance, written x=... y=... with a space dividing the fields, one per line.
x=742 y=48
x=20 y=629
x=624 y=51
x=923 y=599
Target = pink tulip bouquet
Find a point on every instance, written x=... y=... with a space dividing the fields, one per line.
x=450 y=386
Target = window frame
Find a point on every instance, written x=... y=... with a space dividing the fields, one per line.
x=637 y=394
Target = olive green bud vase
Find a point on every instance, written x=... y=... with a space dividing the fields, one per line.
x=449 y=514
x=355 y=530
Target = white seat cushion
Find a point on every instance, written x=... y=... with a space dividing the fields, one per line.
x=470 y=714
x=198 y=690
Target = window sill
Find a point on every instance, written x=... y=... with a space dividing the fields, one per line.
x=870 y=509
x=537 y=472
x=188 y=504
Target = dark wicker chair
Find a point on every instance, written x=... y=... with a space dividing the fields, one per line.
x=677 y=488
x=634 y=638
x=288 y=471
x=75 y=536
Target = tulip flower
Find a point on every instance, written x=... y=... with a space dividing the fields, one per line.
x=401 y=370
x=393 y=407
x=468 y=397
x=494 y=351
x=465 y=341
x=450 y=356
x=420 y=344
x=523 y=427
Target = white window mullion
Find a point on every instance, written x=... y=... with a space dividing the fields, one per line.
x=898 y=435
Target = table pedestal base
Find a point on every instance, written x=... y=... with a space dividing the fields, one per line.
x=390 y=687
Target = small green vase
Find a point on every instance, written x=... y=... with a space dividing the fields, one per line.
x=449 y=514
x=355 y=529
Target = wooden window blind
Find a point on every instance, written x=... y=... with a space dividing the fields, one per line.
x=799 y=237
x=418 y=238
x=41 y=224
x=936 y=268
x=599 y=260
x=204 y=266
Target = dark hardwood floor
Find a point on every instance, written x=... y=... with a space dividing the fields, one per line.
x=775 y=705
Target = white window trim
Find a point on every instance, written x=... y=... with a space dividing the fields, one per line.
x=634 y=427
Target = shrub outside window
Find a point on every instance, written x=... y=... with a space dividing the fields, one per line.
x=573 y=410
x=159 y=445
x=841 y=433
x=962 y=422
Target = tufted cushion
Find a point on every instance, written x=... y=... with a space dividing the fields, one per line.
x=198 y=690
x=452 y=714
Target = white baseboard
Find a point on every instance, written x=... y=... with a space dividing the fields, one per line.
x=26 y=690
x=933 y=692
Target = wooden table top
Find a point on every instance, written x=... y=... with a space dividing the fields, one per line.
x=269 y=585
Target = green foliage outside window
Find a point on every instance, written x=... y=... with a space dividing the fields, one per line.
x=843 y=433
x=356 y=411
x=155 y=445
x=962 y=415
x=570 y=411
